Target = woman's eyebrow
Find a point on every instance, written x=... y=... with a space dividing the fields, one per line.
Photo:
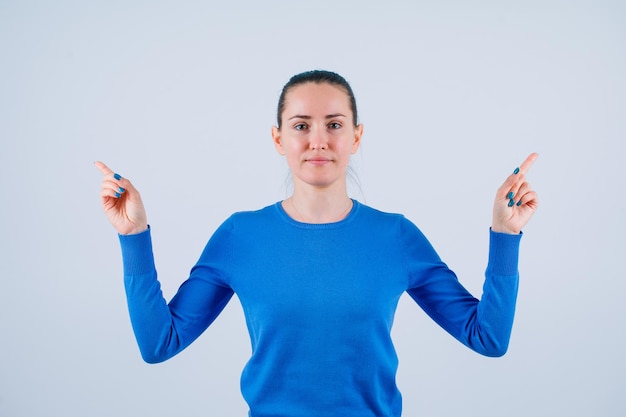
x=302 y=116
x=299 y=116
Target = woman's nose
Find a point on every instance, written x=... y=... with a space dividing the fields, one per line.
x=318 y=139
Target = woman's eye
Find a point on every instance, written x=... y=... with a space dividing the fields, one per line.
x=300 y=126
x=334 y=125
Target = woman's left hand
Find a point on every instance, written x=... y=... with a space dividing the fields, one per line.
x=515 y=201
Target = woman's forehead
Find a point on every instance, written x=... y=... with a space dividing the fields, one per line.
x=314 y=97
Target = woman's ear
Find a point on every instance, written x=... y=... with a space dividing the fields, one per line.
x=358 y=132
x=278 y=144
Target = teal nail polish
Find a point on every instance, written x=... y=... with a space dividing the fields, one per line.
x=519 y=203
x=117 y=195
x=510 y=195
x=516 y=171
x=117 y=176
x=120 y=190
x=511 y=202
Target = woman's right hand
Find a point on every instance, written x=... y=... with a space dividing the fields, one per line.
x=121 y=203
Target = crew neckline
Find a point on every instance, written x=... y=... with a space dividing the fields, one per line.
x=351 y=214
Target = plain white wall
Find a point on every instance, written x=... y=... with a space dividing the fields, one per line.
x=180 y=97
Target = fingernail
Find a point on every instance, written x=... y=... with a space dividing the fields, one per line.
x=519 y=203
x=511 y=202
x=117 y=176
x=510 y=195
x=516 y=171
x=120 y=189
x=117 y=195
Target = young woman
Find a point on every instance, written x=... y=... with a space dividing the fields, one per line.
x=319 y=275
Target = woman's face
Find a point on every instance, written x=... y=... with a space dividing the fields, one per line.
x=317 y=134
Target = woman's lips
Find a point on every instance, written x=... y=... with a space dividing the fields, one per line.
x=318 y=160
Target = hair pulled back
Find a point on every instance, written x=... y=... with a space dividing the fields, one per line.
x=317 y=77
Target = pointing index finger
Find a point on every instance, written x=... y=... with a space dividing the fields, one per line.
x=528 y=162
x=104 y=170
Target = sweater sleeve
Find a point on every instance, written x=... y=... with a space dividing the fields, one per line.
x=482 y=325
x=162 y=330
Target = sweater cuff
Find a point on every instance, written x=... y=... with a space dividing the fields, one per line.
x=137 y=256
x=503 y=253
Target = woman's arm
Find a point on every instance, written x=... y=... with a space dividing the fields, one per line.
x=161 y=329
x=483 y=325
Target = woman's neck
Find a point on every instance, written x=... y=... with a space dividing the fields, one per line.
x=318 y=207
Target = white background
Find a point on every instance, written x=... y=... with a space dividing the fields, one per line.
x=180 y=98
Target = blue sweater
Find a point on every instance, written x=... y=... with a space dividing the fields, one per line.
x=319 y=302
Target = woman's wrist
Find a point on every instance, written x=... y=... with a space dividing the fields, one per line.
x=136 y=230
x=500 y=229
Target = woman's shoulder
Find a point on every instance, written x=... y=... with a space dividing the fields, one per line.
x=387 y=219
x=253 y=216
x=378 y=214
